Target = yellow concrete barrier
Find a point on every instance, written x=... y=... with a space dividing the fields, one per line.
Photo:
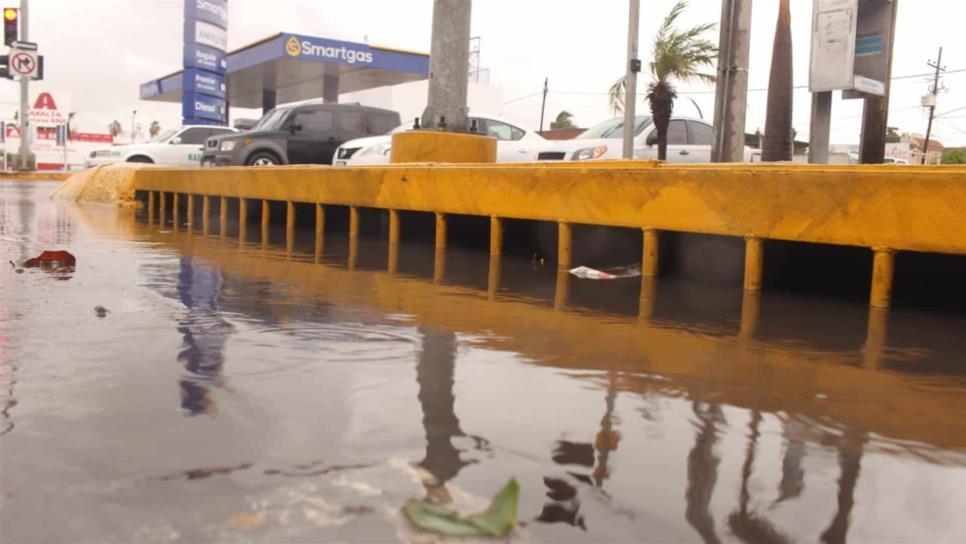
x=448 y=147
x=41 y=175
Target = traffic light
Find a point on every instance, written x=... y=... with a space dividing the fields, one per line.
x=11 y=18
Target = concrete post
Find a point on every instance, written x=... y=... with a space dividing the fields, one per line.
x=449 y=67
x=630 y=78
x=821 y=127
x=731 y=93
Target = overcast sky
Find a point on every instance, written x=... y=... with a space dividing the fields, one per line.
x=101 y=50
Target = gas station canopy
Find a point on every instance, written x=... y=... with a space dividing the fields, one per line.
x=291 y=67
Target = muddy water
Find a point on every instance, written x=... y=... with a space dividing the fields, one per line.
x=257 y=392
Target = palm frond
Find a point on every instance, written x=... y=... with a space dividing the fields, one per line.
x=615 y=96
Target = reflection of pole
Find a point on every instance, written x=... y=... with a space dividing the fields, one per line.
x=703 y=475
x=745 y=523
x=607 y=438
x=850 y=458
x=630 y=79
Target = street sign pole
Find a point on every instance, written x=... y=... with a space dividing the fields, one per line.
x=24 y=93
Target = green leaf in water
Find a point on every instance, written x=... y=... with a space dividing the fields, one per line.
x=496 y=520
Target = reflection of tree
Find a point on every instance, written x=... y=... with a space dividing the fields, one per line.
x=850 y=458
x=204 y=332
x=434 y=374
x=745 y=523
x=703 y=472
x=793 y=475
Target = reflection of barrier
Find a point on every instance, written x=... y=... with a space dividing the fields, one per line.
x=886 y=209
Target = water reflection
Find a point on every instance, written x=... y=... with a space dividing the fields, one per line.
x=850 y=459
x=748 y=525
x=702 y=471
x=204 y=334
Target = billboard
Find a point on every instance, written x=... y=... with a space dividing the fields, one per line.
x=203 y=80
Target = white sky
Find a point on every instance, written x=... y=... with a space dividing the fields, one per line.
x=101 y=50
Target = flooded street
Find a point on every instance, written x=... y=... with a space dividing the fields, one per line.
x=253 y=392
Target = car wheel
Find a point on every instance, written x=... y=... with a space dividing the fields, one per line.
x=141 y=158
x=262 y=158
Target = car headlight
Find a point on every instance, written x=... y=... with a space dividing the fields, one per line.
x=588 y=153
x=378 y=149
x=227 y=145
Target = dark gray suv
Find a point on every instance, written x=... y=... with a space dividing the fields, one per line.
x=306 y=133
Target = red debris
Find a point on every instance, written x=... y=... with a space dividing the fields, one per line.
x=51 y=259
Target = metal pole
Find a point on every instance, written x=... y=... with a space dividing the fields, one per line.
x=821 y=128
x=932 y=109
x=543 y=105
x=731 y=92
x=133 y=115
x=630 y=79
x=24 y=93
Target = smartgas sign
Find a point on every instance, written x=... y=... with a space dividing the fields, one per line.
x=357 y=54
x=205 y=43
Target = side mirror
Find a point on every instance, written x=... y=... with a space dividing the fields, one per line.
x=176 y=140
x=295 y=127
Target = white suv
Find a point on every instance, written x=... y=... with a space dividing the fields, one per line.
x=175 y=147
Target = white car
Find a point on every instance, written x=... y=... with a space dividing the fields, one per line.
x=174 y=147
x=688 y=140
x=513 y=144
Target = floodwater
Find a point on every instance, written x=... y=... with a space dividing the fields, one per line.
x=250 y=392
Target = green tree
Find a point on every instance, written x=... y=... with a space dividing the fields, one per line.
x=564 y=119
x=114 y=128
x=779 y=142
x=892 y=135
x=955 y=156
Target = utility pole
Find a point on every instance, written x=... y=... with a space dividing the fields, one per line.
x=630 y=79
x=731 y=91
x=875 y=115
x=449 y=67
x=932 y=108
x=24 y=94
x=543 y=105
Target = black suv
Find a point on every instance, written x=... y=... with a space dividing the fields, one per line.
x=305 y=133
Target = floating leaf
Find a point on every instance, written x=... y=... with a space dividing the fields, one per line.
x=496 y=520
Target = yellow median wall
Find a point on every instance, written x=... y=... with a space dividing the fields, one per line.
x=901 y=208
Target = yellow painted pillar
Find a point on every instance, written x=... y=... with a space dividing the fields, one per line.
x=883 y=272
x=649 y=258
x=561 y=291
x=162 y=209
x=319 y=231
x=266 y=218
x=493 y=276
x=289 y=228
x=205 y=212
x=564 y=245
x=754 y=263
x=242 y=220
x=440 y=230
x=875 y=339
x=353 y=252
x=750 y=312
x=174 y=211
x=645 y=309
x=223 y=217
x=496 y=236
x=353 y=222
x=190 y=220
x=393 y=226
x=150 y=207
x=393 y=264
x=439 y=265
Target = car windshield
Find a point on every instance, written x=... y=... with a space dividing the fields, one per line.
x=272 y=120
x=614 y=128
x=164 y=136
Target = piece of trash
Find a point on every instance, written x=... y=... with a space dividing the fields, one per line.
x=51 y=259
x=587 y=273
x=246 y=521
x=101 y=311
x=496 y=520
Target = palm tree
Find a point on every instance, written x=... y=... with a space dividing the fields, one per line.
x=564 y=119
x=677 y=55
x=114 y=128
x=154 y=129
x=779 y=142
